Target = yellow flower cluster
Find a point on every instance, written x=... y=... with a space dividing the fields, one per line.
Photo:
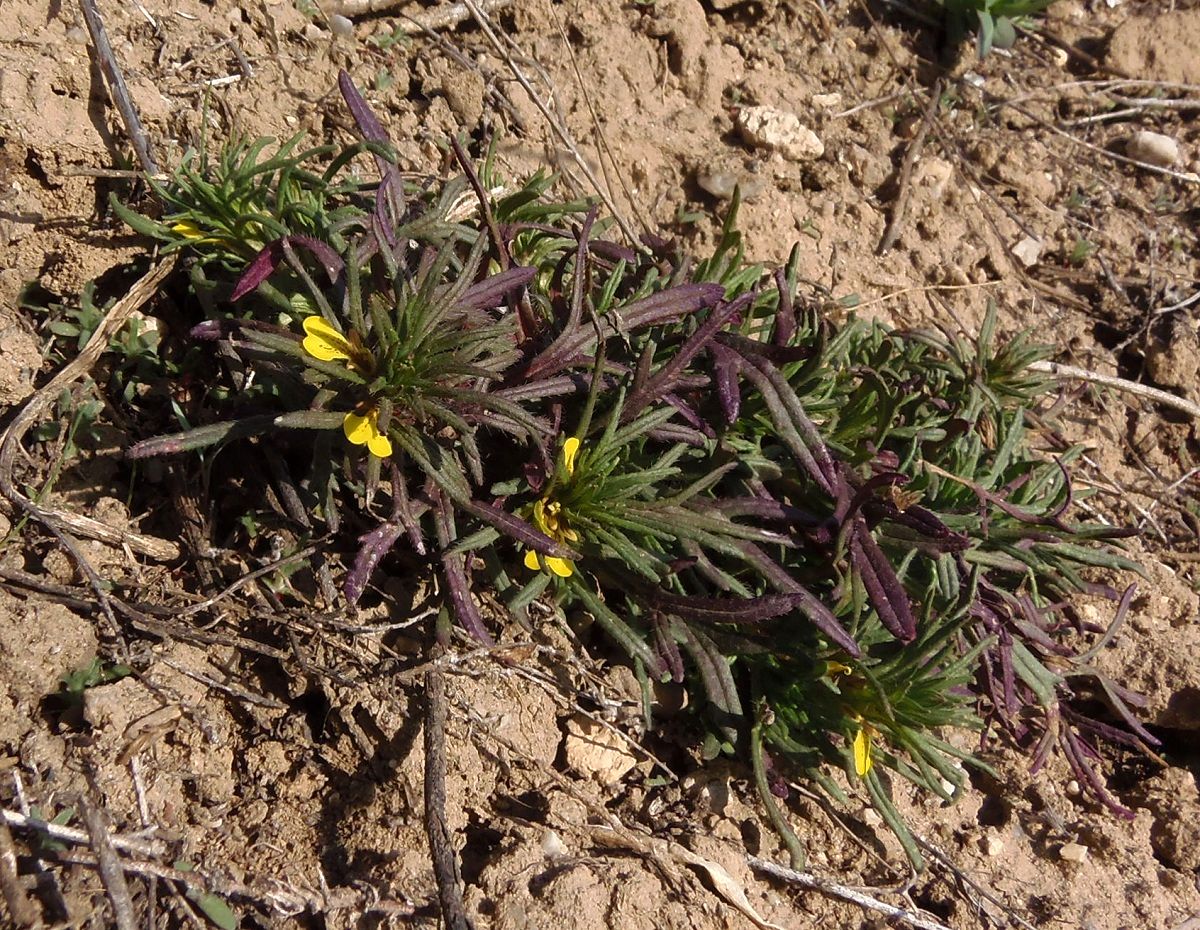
x=549 y=518
x=361 y=425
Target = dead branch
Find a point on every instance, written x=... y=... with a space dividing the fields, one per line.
x=895 y=915
x=1165 y=398
x=904 y=184
x=80 y=837
x=116 y=86
x=109 y=865
x=270 y=894
x=441 y=848
x=441 y=17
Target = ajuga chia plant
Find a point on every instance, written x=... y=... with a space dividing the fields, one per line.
x=847 y=538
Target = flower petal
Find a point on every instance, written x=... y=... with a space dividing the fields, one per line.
x=380 y=446
x=862 y=753
x=360 y=429
x=325 y=343
x=561 y=567
x=570 y=451
x=532 y=560
x=364 y=430
x=187 y=229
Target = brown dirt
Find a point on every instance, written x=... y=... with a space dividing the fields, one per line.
x=323 y=793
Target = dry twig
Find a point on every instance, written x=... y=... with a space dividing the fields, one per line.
x=1165 y=398
x=268 y=893
x=441 y=848
x=904 y=184
x=440 y=17
x=109 y=865
x=896 y=916
x=116 y=86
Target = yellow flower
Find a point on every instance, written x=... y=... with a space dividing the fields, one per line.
x=363 y=429
x=549 y=518
x=569 y=453
x=836 y=670
x=326 y=344
x=862 y=752
x=187 y=229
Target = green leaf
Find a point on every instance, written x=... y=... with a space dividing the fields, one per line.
x=214 y=908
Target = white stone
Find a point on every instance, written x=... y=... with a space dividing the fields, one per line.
x=552 y=845
x=780 y=131
x=1028 y=251
x=992 y=845
x=826 y=101
x=1153 y=148
x=1073 y=852
x=341 y=26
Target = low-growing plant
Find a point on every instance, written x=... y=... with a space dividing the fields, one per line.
x=995 y=22
x=843 y=535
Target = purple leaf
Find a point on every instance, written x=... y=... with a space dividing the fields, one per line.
x=366 y=121
x=374 y=546
x=454 y=572
x=665 y=378
x=785 y=316
x=817 y=613
x=403 y=510
x=261 y=268
x=613 y=251
x=724 y=609
x=779 y=355
x=792 y=426
x=672 y=304
x=1078 y=753
x=884 y=590
x=666 y=647
x=725 y=372
x=491 y=291
x=520 y=530
x=766 y=508
x=715 y=675
x=208 y=331
x=271 y=256
x=201 y=437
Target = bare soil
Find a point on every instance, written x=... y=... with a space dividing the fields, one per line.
x=305 y=803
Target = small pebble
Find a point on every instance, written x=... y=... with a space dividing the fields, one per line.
x=770 y=128
x=1153 y=148
x=552 y=845
x=78 y=35
x=720 y=184
x=1073 y=852
x=992 y=845
x=1028 y=251
x=341 y=26
x=826 y=101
